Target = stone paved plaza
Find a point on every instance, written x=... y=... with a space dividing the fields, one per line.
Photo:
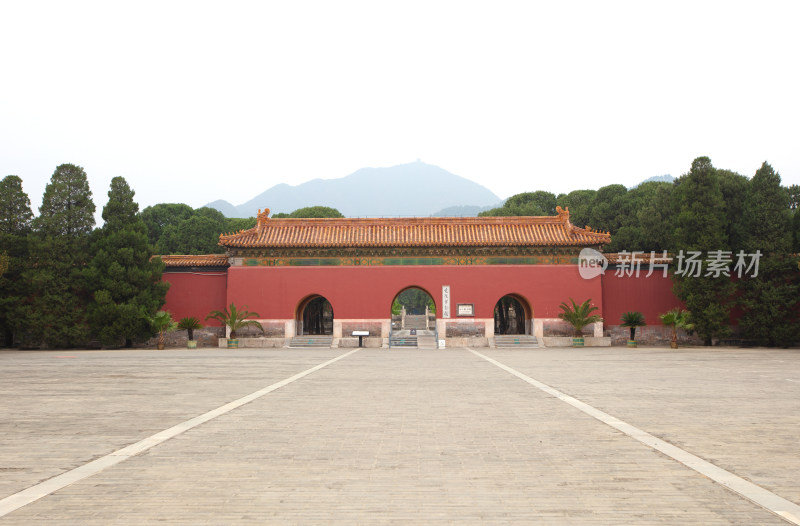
x=398 y=436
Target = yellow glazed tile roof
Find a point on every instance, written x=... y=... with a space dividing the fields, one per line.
x=207 y=260
x=417 y=232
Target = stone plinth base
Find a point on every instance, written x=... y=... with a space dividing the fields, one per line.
x=651 y=335
x=566 y=341
x=370 y=342
x=264 y=343
x=467 y=341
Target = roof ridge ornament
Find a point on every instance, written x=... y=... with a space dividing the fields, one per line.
x=563 y=213
x=262 y=217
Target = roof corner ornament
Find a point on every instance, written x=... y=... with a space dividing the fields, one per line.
x=563 y=213
x=262 y=217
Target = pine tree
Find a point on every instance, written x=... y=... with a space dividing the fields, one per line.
x=55 y=313
x=15 y=225
x=701 y=224
x=770 y=299
x=160 y=216
x=197 y=235
x=125 y=282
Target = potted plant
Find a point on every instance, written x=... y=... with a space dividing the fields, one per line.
x=632 y=319
x=676 y=319
x=235 y=319
x=579 y=316
x=162 y=323
x=189 y=324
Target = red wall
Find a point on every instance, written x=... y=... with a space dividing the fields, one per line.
x=367 y=292
x=650 y=296
x=195 y=294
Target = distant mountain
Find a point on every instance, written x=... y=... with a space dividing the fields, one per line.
x=464 y=210
x=413 y=189
x=657 y=179
x=227 y=209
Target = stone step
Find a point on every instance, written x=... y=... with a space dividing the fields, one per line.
x=407 y=341
x=426 y=342
x=415 y=321
x=311 y=340
x=516 y=340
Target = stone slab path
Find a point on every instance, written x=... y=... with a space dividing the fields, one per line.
x=398 y=436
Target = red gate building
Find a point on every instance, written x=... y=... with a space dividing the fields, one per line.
x=336 y=276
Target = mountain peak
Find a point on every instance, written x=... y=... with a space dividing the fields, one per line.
x=412 y=189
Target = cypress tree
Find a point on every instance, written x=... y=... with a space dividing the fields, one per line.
x=125 y=282
x=769 y=300
x=796 y=222
x=55 y=313
x=15 y=226
x=701 y=225
x=734 y=191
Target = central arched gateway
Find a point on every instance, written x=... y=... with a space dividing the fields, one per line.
x=413 y=308
x=512 y=315
x=315 y=316
x=413 y=321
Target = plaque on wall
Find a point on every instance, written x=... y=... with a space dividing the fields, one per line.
x=466 y=309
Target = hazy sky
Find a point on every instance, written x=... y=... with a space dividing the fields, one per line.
x=197 y=101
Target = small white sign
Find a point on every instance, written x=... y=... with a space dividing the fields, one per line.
x=441 y=344
x=465 y=309
x=445 y=301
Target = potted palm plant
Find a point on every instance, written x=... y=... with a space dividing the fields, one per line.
x=579 y=316
x=676 y=319
x=235 y=319
x=632 y=319
x=162 y=323
x=189 y=324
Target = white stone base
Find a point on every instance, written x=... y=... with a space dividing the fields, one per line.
x=469 y=341
x=369 y=342
x=258 y=343
x=566 y=341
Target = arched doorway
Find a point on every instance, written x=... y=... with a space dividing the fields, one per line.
x=315 y=316
x=511 y=315
x=413 y=318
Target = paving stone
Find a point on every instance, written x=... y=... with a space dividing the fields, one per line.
x=737 y=408
x=387 y=436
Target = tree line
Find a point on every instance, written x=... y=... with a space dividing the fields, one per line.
x=642 y=218
x=175 y=228
x=66 y=283
x=717 y=213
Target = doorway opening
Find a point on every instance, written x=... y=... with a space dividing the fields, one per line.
x=413 y=319
x=315 y=316
x=511 y=315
